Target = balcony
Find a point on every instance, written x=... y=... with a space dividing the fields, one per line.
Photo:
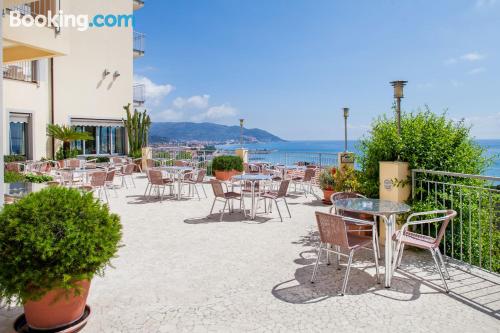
x=139 y=44
x=138 y=4
x=139 y=95
x=22 y=43
x=26 y=71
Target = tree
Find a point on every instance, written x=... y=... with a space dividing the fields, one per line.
x=67 y=135
x=137 y=125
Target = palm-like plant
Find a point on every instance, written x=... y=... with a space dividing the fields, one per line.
x=67 y=135
x=137 y=125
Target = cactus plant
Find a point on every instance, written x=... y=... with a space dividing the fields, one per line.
x=137 y=125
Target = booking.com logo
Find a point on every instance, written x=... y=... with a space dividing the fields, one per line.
x=80 y=22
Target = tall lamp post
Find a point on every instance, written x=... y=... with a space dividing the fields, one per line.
x=346 y=115
x=242 y=121
x=398 y=94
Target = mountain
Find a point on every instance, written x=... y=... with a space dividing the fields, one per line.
x=184 y=131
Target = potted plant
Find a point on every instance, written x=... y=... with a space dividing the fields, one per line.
x=225 y=167
x=52 y=243
x=327 y=183
x=346 y=179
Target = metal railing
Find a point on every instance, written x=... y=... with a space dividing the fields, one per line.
x=139 y=43
x=26 y=71
x=321 y=160
x=38 y=7
x=139 y=94
x=473 y=237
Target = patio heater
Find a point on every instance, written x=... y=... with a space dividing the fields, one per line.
x=242 y=121
x=398 y=94
x=346 y=115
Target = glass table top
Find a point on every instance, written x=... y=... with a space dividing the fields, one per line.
x=20 y=190
x=253 y=177
x=372 y=206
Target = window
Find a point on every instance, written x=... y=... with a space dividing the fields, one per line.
x=119 y=139
x=107 y=140
x=18 y=138
x=104 y=140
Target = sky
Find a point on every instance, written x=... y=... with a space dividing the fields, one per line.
x=290 y=66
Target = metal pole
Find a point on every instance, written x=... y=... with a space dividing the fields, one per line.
x=2 y=127
x=345 y=133
x=398 y=114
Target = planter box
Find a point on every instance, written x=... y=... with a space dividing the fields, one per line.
x=326 y=196
x=225 y=175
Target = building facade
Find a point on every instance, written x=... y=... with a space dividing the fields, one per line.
x=68 y=76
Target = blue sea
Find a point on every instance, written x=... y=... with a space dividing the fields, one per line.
x=492 y=148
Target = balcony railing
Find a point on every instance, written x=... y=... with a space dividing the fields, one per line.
x=139 y=44
x=38 y=7
x=473 y=236
x=26 y=71
x=139 y=94
x=138 y=4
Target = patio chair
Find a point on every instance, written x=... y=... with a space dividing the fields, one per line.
x=97 y=183
x=156 y=180
x=369 y=224
x=333 y=231
x=305 y=181
x=110 y=180
x=277 y=196
x=405 y=237
x=127 y=171
x=200 y=180
x=226 y=197
x=72 y=163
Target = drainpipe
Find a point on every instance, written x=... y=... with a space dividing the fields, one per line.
x=51 y=62
x=2 y=123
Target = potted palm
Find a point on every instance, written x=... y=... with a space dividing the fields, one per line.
x=327 y=183
x=52 y=243
x=67 y=135
x=225 y=167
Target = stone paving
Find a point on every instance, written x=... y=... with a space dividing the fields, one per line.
x=181 y=271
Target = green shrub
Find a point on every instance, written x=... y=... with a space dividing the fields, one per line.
x=347 y=180
x=62 y=154
x=13 y=177
x=53 y=239
x=98 y=159
x=428 y=141
x=184 y=155
x=326 y=180
x=227 y=163
x=14 y=158
x=32 y=178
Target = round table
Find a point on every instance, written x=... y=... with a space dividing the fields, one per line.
x=178 y=171
x=387 y=210
x=253 y=179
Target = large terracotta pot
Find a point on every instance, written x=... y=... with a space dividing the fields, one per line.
x=57 y=308
x=326 y=196
x=225 y=175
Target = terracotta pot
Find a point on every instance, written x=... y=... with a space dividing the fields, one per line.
x=225 y=175
x=57 y=308
x=326 y=196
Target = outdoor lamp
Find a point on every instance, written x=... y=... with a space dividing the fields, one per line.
x=116 y=74
x=105 y=73
x=242 y=121
x=346 y=115
x=398 y=88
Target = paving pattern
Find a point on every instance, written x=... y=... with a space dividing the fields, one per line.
x=181 y=271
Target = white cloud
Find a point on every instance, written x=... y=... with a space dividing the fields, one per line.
x=167 y=115
x=154 y=92
x=193 y=102
x=477 y=70
x=485 y=3
x=467 y=57
x=216 y=113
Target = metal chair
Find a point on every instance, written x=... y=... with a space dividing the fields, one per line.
x=333 y=231
x=157 y=181
x=369 y=222
x=405 y=237
x=305 y=182
x=97 y=182
x=127 y=171
x=276 y=196
x=200 y=180
x=226 y=197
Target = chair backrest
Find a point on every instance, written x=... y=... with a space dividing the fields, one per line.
x=181 y=163
x=128 y=169
x=13 y=167
x=309 y=174
x=117 y=160
x=349 y=195
x=98 y=178
x=445 y=217
x=201 y=176
x=217 y=188
x=155 y=177
x=332 y=229
x=73 y=163
x=450 y=215
x=283 y=190
x=150 y=163
x=110 y=176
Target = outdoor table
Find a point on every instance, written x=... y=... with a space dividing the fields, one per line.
x=20 y=190
x=85 y=173
x=178 y=171
x=293 y=167
x=253 y=179
x=387 y=210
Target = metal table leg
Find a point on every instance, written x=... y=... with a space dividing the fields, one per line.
x=389 y=230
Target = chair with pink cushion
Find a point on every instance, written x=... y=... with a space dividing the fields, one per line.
x=405 y=237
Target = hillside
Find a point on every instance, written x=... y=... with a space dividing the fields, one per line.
x=184 y=131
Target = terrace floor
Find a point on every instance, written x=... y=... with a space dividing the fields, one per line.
x=180 y=271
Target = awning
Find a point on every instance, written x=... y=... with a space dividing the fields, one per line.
x=19 y=117
x=97 y=122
